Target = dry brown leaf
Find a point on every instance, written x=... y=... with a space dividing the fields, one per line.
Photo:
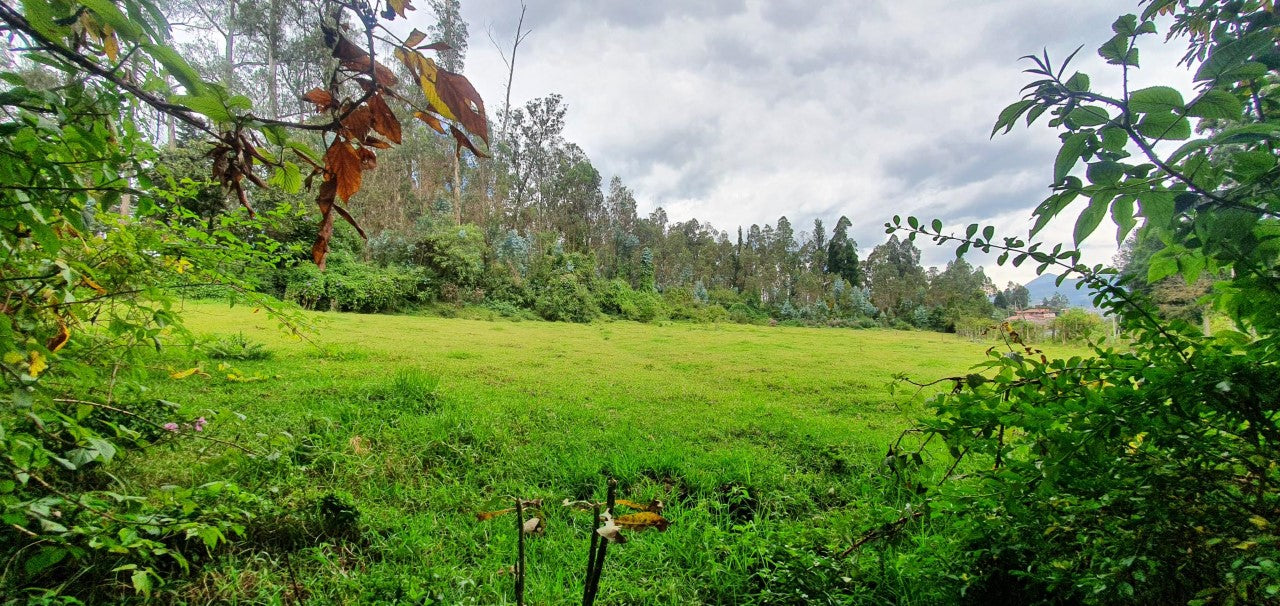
x=359 y=445
x=463 y=141
x=343 y=167
x=358 y=122
x=431 y=121
x=325 y=200
x=57 y=341
x=382 y=120
x=534 y=526
x=322 y=99
x=642 y=521
x=368 y=159
x=356 y=59
x=464 y=102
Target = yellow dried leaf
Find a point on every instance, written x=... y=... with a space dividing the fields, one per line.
x=655 y=506
x=182 y=374
x=489 y=515
x=642 y=521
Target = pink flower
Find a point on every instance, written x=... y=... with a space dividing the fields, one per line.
x=200 y=423
x=171 y=426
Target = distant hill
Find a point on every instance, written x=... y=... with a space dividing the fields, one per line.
x=1043 y=287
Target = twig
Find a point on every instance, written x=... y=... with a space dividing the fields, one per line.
x=881 y=532
x=519 y=553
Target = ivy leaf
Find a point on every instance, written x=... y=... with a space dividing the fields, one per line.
x=1155 y=99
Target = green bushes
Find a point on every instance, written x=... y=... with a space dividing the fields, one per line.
x=360 y=287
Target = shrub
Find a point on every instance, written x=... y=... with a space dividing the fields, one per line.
x=235 y=347
x=565 y=299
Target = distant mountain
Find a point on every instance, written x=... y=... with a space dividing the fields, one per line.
x=1043 y=287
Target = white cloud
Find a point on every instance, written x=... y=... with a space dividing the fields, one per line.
x=740 y=112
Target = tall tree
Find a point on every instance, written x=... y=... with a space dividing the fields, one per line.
x=896 y=279
x=842 y=254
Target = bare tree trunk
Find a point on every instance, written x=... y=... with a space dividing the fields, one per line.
x=457 y=189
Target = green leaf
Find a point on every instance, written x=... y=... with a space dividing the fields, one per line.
x=40 y=15
x=1156 y=207
x=1216 y=104
x=937 y=225
x=142 y=581
x=1125 y=25
x=43 y=559
x=1186 y=149
x=177 y=67
x=1117 y=51
x=1078 y=83
x=1190 y=266
x=1088 y=115
x=1250 y=165
x=1155 y=99
x=1162 y=266
x=1010 y=115
x=1247 y=133
x=1070 y=153
x=1164 y=126
x=1122 y=215
x=1091 y=218
x=287 y=178
x=1105 y=173
x=1114 y=138
x=209 y=105
x=1233 y=60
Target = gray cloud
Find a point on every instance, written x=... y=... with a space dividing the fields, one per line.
x=738 y=112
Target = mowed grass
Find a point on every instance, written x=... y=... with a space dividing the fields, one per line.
x=757 y=439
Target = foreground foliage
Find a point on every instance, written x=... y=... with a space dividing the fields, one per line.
x=1144 y=474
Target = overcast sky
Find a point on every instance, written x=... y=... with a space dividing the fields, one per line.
x=739 y=112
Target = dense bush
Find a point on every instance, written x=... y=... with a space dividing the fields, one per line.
x=349 y=285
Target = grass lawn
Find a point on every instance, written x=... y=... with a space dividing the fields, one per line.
x=763 y=442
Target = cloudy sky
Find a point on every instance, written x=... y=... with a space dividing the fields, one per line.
x=739 y=111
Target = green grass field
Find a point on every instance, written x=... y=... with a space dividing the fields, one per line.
x=764 y=443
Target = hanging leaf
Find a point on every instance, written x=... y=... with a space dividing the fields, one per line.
x=323 y=99
x=464 y=102
x=368 y=159
x=463 y=141
x=415 y=38
x=354 y=58
x=382 y=120
x=425 y=71
x=430 y=120
x=642 y=521
x=358 y=122
x=400 y=6
x=59 y=340
x=342 y=166
x=325 y=199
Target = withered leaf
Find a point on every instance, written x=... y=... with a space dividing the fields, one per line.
x=57 y=341
x=323 y=99
x=489 y=515
x=375 y=143
x=464 y=102
x=368 y=159
x=580 y=505
x=431 y=121
x=325 y=199
x=463 y=141
x=382 y=120
x=400 y=6
x=415 y=38
x=642 y=521
x=359 y=445
x=356 y=59
x=437 y=46
x=655 y=506
x=612 y=533
x=358 y=122
x=534 y=526
x=342 y=166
